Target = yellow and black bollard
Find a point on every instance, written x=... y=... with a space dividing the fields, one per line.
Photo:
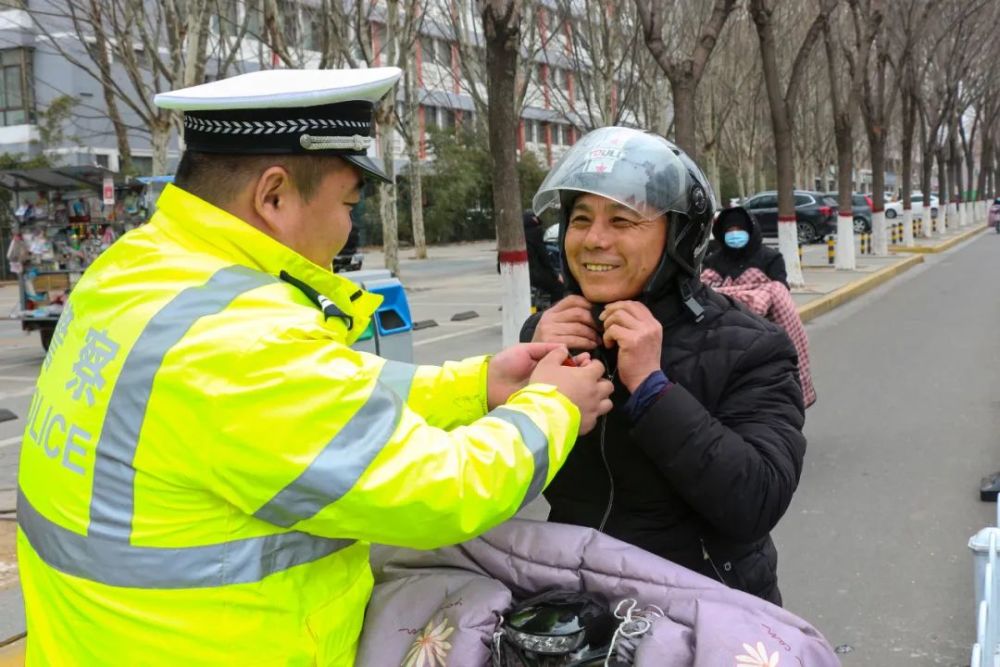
x=864 y=243
x=800 y=254
x=831 y=250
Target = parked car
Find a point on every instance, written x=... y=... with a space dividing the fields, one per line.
x=815 y=214
x=895 y=208
x=350 y=257
x=861 y=210
x=994 y=219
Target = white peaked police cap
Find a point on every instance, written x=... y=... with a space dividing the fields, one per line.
x=286 y=111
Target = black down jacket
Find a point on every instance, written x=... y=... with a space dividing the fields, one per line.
x=732 y=262
x=712 y=464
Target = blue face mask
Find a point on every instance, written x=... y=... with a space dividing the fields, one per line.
x=737 y=239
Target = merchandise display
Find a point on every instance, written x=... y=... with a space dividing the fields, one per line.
x=62 y=223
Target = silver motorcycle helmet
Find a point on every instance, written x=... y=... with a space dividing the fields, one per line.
x=646 y=173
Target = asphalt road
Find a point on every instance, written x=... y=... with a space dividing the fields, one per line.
x=873 y=549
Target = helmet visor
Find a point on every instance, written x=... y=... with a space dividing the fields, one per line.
x=634 y=168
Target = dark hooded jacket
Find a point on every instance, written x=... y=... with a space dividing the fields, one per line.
x=708 y=469
x=732 y=262
x=540 y=270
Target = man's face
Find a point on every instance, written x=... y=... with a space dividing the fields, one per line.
x=612 y=249
x=323 y=223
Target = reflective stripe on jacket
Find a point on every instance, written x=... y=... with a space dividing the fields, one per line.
x=206 y=460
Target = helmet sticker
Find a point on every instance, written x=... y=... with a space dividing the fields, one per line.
x=602 y=160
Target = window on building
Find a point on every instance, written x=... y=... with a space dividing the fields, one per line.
x=143 y=165
x=427 y=50
x=560 y=135
x=430 y=117
x=102 y=160
x=443 y=53
x=141 y=57
x=533 y=131
x=254 y=18
x=16 y=100
x=559 y=78
x=447 y=118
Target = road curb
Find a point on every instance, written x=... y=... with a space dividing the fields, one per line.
x=941 y=247
x=853 y=290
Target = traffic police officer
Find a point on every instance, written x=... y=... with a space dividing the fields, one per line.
x=206 y=459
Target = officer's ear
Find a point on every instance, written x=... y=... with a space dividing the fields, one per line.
x=275 y=198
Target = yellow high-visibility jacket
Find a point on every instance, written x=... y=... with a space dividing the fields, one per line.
x=206 y=460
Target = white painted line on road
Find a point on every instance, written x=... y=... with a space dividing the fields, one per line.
x=16 y=440
x=465 y=332
x=19 y=378
x=20 y=363
x=27 y=391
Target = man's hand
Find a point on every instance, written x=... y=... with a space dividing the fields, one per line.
x=639 y=337
x=584 y=385
x=510 y=369
x=570 y=323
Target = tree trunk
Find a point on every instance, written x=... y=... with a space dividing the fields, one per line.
x=926 y=172
x=387 y=192
x=416 y=177
x=956 y=179
x=107 y=88
x=909 y=122
x=844 y=143
x=160 y=136
x=845 y=258
x=944 y=188
x=880 y=236
x=781 y=129
x=682 y=90
x=501 y=28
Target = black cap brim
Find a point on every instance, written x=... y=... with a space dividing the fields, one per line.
x=367 y=165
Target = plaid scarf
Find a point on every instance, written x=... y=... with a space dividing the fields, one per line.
x=772 y=300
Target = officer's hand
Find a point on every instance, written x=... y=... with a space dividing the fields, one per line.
x=510 y=369
x=639 y=337
x=584 y=385
x=570 y=323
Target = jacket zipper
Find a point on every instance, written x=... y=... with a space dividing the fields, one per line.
x=706 y=556
x=611 y=480
x=607 y=466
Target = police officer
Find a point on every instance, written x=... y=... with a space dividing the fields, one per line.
x=206 y=459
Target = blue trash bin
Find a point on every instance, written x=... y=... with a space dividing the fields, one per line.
x=390 y=334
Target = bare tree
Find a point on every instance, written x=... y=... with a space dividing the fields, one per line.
x=911 y=33
x=781 y=104
x=685 y=71
x=601 y=51
x=502 y=32
x=385 y=34
x=841 y=56
x=135 y=49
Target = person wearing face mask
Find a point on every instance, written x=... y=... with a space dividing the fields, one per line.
x=742 y=248
x=700 y=455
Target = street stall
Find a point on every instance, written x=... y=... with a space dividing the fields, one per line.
x=63 y=218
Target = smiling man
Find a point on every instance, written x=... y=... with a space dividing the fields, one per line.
x=703 y=450
x=207 y=459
